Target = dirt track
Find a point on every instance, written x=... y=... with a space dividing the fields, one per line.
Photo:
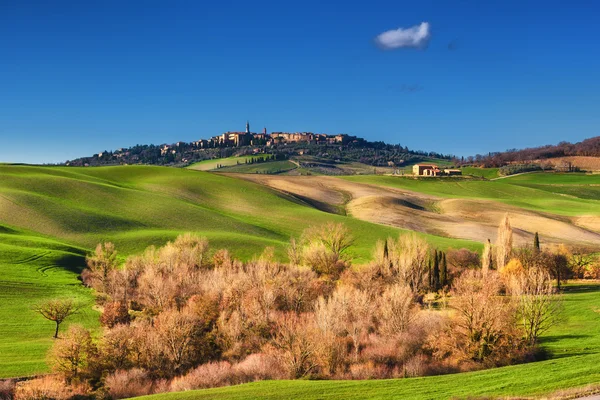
x=459 y=218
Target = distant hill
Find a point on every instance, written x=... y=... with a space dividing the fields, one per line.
x=583 y=154
x=181 y=154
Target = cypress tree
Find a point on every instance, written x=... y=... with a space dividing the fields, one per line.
x=536 y=243
x=436 y=270
x=444 y=271
x=430 y=276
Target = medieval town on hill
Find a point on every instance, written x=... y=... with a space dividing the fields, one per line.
x=247 y=138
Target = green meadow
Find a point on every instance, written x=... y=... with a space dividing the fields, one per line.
x=33 y=269
x=269 y=167
x=208 y=165
x=574 y=362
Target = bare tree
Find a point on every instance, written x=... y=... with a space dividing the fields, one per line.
x=72 y=354
x=335 y=237
x=483 y=317
x=57 y=310
x=538 y=307
x=294 y=340
x=176 y=332
x=396 y=309
x=100 y=265
x=409 y=257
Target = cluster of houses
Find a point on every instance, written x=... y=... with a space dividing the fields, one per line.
x=247 y=138
x=433 y=170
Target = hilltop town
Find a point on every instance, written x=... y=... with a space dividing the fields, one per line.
x=282 y=145
x=247 y=138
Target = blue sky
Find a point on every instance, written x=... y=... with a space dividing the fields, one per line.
x=79 y=77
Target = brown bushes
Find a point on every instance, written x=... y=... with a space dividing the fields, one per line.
x=179 y=318
x=253 y=368
x=122 y=384
x=49 y=387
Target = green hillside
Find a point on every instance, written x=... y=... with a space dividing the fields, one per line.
x=34 y=269
x=575 y=345
x=208 y=165
x=487 y=173
x=269 y=167
x=136 y=206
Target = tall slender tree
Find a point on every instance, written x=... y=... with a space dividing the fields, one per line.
x=504 y=242
x=436 y=270
x=443 y=271
x=487 y=257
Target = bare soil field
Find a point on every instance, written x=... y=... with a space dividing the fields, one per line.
x=473 y=219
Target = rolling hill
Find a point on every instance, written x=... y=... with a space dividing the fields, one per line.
x=563 y=208
x=52 y=216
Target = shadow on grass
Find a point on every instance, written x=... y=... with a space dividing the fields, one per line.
x=585 y=288
x=72 y=263
x=558 y=338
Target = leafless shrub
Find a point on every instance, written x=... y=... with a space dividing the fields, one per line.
x=123 y=384
x=205 y=376
x=416 y=366
x=258 y=367
x=49 y=387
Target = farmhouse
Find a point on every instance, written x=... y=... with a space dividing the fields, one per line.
x=433 y=170
x=426 y=170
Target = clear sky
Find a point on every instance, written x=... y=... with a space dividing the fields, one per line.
x=461 y=77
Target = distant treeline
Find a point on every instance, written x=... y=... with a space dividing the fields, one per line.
x=589 y=147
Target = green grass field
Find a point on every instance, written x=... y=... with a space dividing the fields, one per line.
x=34 y=269
x=208 y=165
x=487 y=173
x=563 y=194
x=575 y=362
x=268 y=167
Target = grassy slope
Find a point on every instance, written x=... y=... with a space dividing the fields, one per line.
x=208 y=165
x=537 y=191
x=269 y=167
x=576 y=362
x=488 y=173
x=136 y=206
x=32 y=269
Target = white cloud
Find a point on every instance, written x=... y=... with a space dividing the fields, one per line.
x=415 y=36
